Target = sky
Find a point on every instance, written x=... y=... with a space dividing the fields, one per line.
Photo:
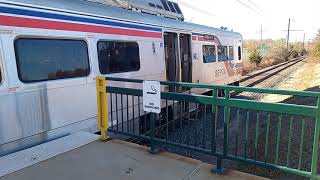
x=273 y=15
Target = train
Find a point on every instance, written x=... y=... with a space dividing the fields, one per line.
x=52 y=51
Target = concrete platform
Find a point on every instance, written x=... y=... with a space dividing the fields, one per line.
x=117 y=159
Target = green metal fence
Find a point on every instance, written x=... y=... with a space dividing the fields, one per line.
x=281 y=136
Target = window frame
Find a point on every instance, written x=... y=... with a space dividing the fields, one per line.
x=215 y=54
x=50 y=38
x=119 y=41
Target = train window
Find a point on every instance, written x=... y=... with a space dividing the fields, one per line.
x=222 y=53
x=51 y=59
x=219 y=53
x=231 y=53
x=239 y=53
x=118 y=57
x=209 y=54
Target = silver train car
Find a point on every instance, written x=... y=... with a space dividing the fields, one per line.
x=51 y=52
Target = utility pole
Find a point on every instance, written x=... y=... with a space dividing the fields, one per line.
x=261 y=31
x=288 y=36
x=288 y=31
x=261 y=44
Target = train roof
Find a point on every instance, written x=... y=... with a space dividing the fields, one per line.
x=94 y=9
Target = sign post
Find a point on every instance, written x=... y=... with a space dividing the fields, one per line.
x=151 y=96
x=152 y=104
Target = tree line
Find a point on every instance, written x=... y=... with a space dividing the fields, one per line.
x=315 y=46
x=273 y=51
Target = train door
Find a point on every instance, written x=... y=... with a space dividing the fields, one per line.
x=185 y=55
x=171 y=56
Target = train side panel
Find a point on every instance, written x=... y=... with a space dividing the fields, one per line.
x=217 y=72
x=31 y=113
x=39 y=111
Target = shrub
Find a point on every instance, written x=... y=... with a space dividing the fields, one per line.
x=297 y=50
x=316 y=46
x=303 y=52
x=255 y=57
x=279 y=54
x=293 y=53
x=316 y=49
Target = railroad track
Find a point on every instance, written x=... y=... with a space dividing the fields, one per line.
x=264 y=74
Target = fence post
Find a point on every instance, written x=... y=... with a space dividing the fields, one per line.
x=153 y=148
x=215 y=111
x=315 y=151
x=102 y=105
x=219 y=169
x=226 y=123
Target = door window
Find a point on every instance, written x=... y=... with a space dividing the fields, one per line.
x=118 y=57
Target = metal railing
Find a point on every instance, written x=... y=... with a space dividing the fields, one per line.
x=281 y=136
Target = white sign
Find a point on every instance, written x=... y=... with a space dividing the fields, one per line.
x=151 y=96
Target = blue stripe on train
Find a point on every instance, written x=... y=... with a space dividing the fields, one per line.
x=73 y=18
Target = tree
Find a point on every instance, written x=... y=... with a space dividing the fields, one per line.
x=255 y=56
x=318 y=36
x=316 y=45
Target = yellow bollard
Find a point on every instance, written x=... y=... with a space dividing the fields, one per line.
x=102 y=102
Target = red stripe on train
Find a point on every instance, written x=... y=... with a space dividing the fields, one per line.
x=54 y=25
x=199 y=38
